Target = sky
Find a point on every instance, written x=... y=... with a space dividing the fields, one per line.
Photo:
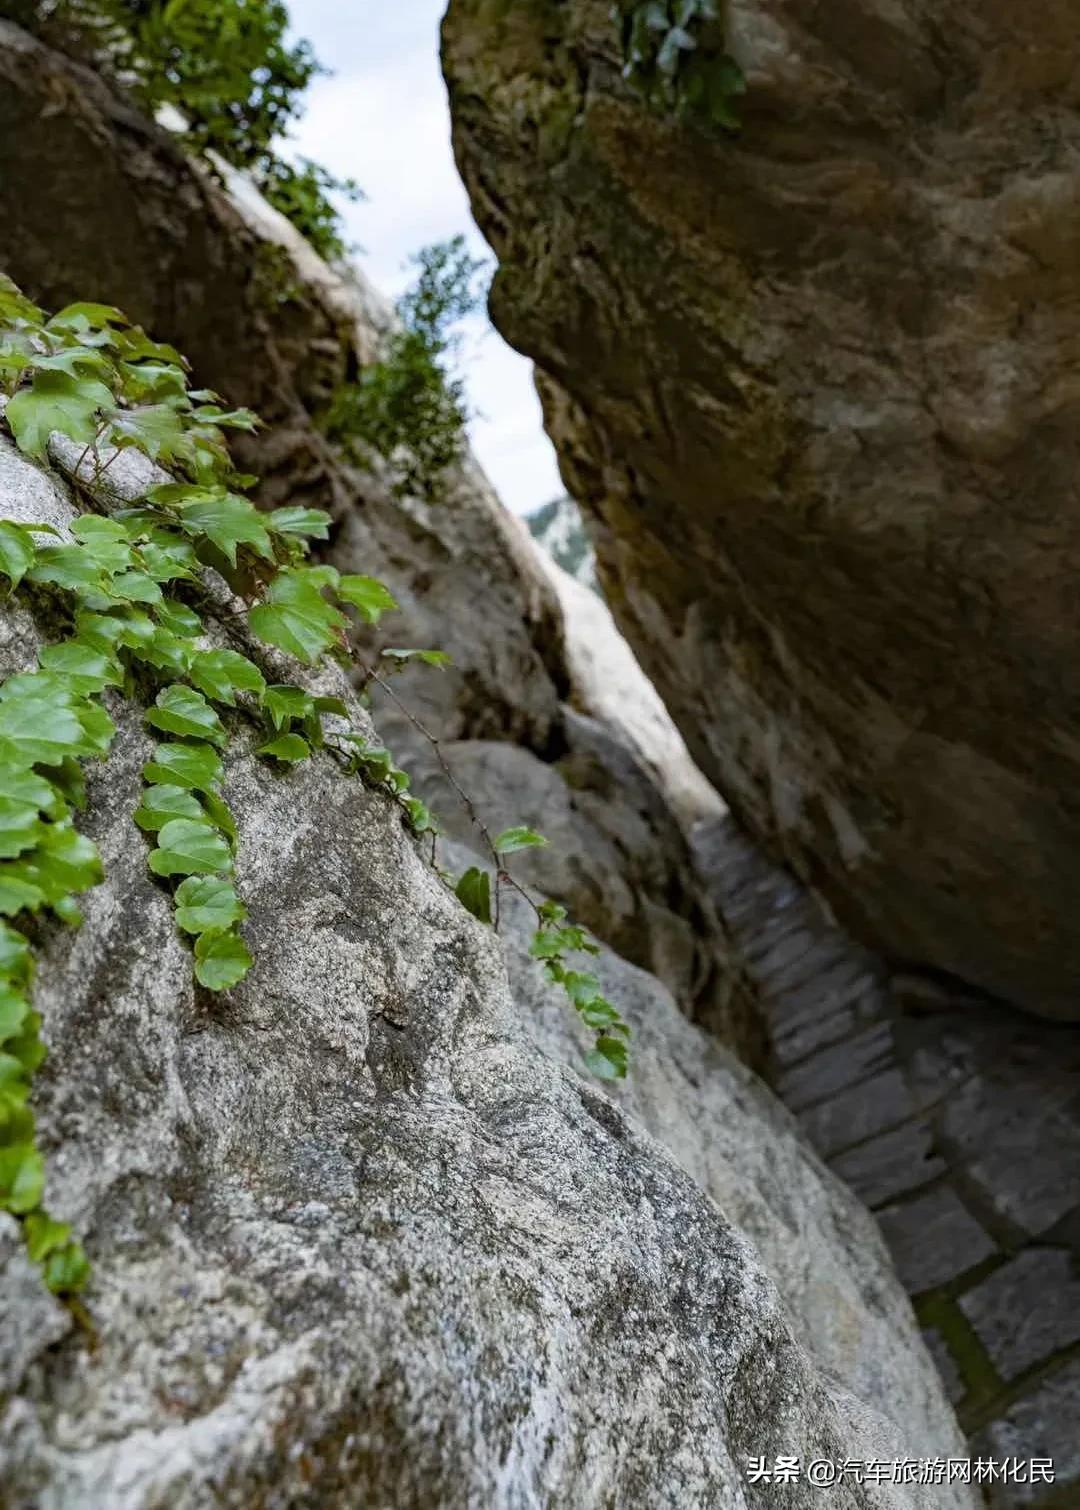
x=382 y=119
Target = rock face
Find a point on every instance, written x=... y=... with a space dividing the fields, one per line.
x=958 y=1123
x=559 y=528
x=96 y=202
x=361 y=1234
x=814 y=385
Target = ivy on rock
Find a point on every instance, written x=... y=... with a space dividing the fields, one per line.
x=129 y=585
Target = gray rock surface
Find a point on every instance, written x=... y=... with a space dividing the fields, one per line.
x=958 y=1122
x=362 y=1234
x=98 y=203
x=813 y=384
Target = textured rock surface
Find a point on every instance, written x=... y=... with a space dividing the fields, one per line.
x=958 y=1123
x=815 y=386
x=95 y=202
x=360 y=1237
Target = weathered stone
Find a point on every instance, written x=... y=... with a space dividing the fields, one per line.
x=863 y=1111
x=885 y=1167
x=362 y=1235
x=833 y=1069
x=946 y=1365
x=1028 y=1309
x=96 y=202
x=933 y=1238
x=1041 y=1425
x=813 y=384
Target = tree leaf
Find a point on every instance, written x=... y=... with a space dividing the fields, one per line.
x=473 y=891
x=190 y=848
x=221 y=960
x=195 y=766
x=370 y=597
x=207 y=904
x=608 y=1059
x=39 y=716
x=221 y=674
x=513 y=839
x=182 y=710
x=287 y=747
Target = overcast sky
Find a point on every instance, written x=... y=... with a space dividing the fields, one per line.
x=382 y=119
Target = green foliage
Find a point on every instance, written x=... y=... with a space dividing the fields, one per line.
x=408 y=408
x=87 y=374
x=228 y=68
x=674 y=52
x=301 y=192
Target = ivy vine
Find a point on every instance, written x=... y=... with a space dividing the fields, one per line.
x=130 y=590
x=674 y=53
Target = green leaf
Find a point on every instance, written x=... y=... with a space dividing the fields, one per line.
x=221 y=960
x=205 y=904
x=513 y=839
x=189 y=848
x=162 y=803
x=196 y=766
x=17 y=550
x=18 y=893
x=67 y=1270
x=70 y=566
x=182 y=710
x=39 y=716
x=370 y=597
x=296 y=618
x=135 y=587
x=157 y=430
x=56 y=401
x=28 y=786
x=474 y=893
x=22 y=1178
x=609 y=1058
x=20 y=827
x=226 y=519
x=221 y=674
x=166 y=558
x=421 y=818
x=84 y=667
x=287 y=747
x=14 y=1011
x=220 y=816
x=43 y=1236
x=283 y=704
x=300 y=521
x=16 y=960
x=178 y=618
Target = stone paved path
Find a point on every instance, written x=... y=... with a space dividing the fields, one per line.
x=958 y=1122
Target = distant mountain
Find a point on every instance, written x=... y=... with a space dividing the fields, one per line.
x=558 y=527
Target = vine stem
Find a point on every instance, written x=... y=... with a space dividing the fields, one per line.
x=501 y=873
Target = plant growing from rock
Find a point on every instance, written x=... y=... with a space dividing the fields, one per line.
x=675 y=55
x=130 y=587
x=407 y=407
x=228 y=68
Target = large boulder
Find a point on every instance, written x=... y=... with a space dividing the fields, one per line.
x=814 y=384
x=362 y=1234
x=97 y=202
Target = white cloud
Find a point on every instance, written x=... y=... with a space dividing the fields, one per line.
x=382 y=119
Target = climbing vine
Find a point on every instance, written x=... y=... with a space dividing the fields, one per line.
x=674 y=52
x=129 y=592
